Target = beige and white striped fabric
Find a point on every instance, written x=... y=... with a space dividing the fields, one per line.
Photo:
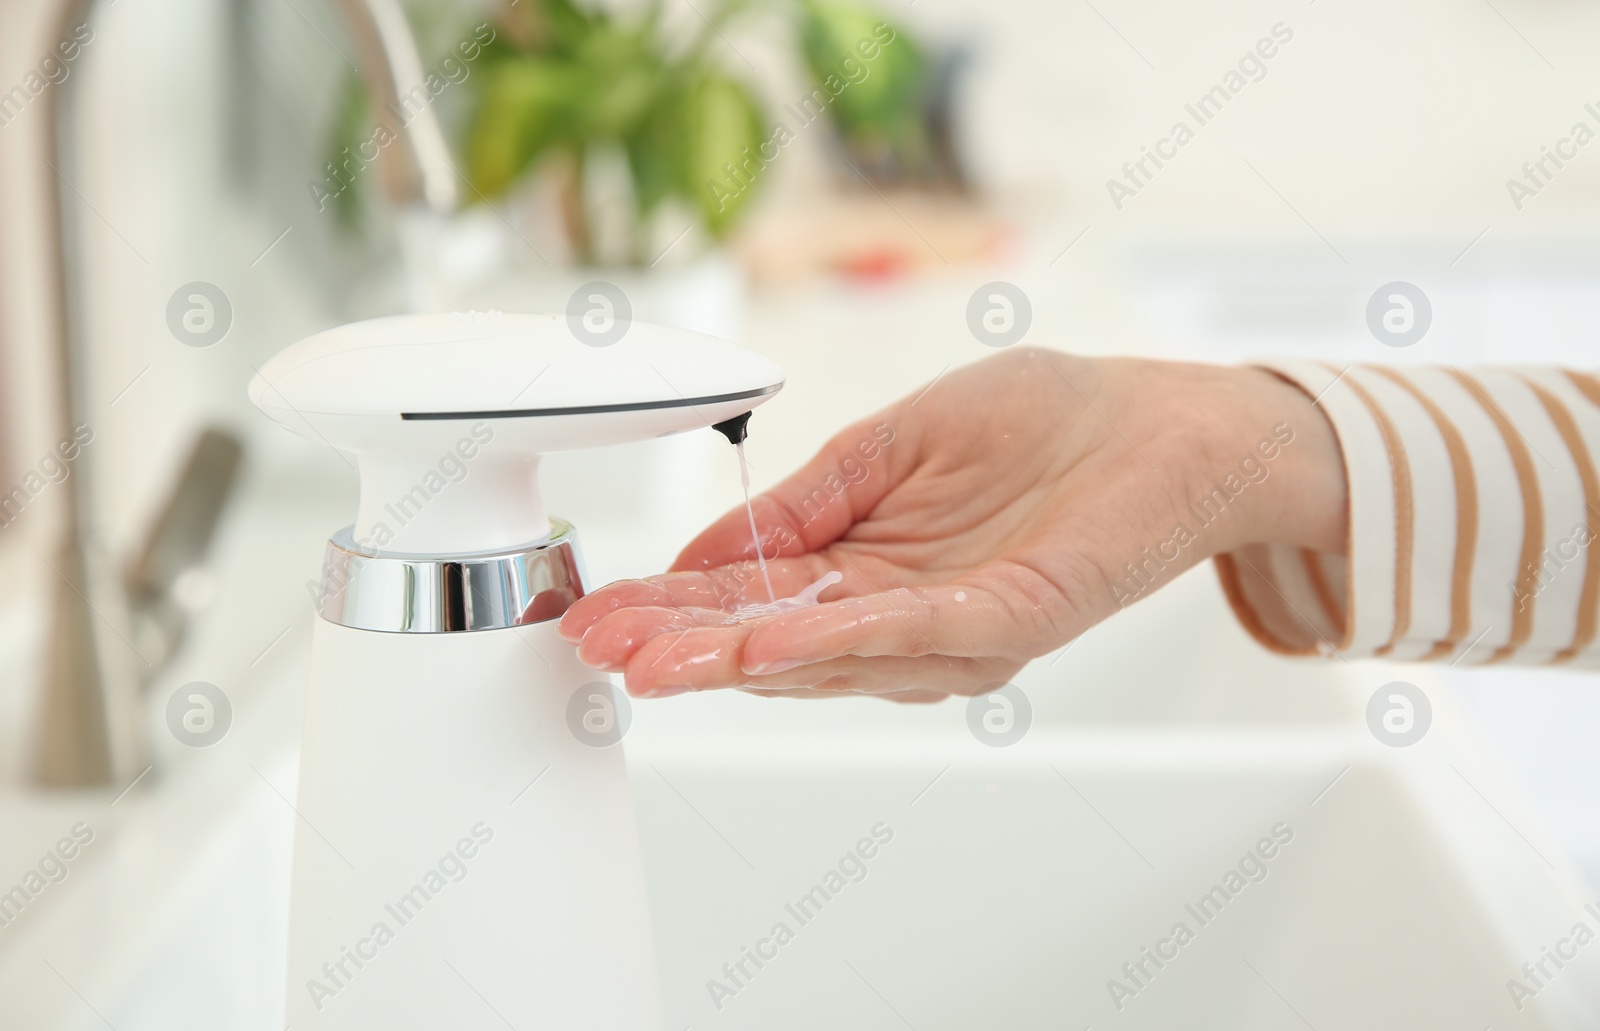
x=1474 y=498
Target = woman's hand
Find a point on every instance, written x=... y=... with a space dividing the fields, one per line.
x=985 y=522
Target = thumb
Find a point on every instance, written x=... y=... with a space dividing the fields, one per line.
x=815 y=506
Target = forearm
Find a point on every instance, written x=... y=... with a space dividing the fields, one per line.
x=1470 y=498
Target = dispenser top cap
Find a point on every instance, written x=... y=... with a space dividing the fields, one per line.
x=496 y=390
x=501 y=365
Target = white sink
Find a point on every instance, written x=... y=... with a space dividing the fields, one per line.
x=1018 y=881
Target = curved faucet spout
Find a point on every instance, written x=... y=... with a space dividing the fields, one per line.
x=392 y=71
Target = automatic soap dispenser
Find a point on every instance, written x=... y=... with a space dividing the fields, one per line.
x=462 y=857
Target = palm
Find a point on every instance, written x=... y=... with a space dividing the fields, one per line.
x=989 y=487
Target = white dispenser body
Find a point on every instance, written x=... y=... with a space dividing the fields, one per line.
x=463 y=858
x=467 y=852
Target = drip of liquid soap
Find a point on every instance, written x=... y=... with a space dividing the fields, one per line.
x=755 y=537
x=804 y=600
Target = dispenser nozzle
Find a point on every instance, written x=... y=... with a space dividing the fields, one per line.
x=735 y=429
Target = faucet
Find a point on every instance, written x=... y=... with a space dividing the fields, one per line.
x=390 y=65
x=76 y=744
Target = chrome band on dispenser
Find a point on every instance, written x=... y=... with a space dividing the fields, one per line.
x=420 y=594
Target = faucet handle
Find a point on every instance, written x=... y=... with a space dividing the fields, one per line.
x=177 y=541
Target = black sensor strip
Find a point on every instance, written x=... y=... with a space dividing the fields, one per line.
x=632 y=406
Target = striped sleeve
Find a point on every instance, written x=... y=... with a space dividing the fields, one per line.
x=1474 y=497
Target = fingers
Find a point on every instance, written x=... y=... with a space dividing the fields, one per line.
x=722 y=588
x=695 y=659
x=649 y=629
x=949 y=619
x=810 y=694
x=810 y=509
x=629 y=629
x=915 y=697
x=803 y=693
x=929 y=677
x=703 y=660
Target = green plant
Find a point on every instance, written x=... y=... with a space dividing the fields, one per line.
x=564 y=80
x=558 y=83
x=881 y=117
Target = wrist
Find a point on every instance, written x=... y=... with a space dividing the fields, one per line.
x=1303 y=500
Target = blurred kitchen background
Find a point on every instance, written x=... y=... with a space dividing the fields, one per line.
x=187 y=186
